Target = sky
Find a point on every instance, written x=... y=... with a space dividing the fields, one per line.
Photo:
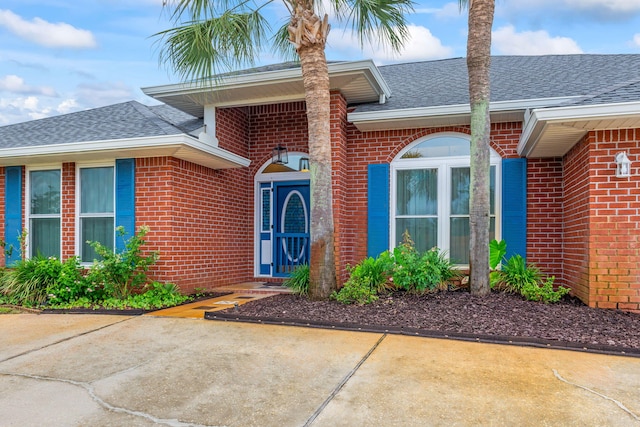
x=61 y=56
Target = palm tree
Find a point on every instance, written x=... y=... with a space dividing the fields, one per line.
x=216 y=36
x=478 y=65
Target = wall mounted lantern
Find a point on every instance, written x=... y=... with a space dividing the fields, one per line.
x=303 y=165
x=623 y=165
x=279 y=155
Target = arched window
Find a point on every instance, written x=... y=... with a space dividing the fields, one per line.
x=430 y=195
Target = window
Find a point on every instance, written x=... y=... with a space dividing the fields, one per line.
x=96 y=210
x=44 y=212
x=430 y=199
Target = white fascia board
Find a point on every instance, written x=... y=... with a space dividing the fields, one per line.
x=154 y=145
x=452 y=110
x=539 y=119
x=264 y=78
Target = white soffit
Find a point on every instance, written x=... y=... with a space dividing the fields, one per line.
x=551 y=132
x=358 y=81
x=179 y=146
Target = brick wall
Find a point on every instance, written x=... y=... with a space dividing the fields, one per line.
x=68 y=210
x=545 y=216
x=614 y=221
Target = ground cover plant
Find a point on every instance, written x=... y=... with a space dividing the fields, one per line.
x=116 y=281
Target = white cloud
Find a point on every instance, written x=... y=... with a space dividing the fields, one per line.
x=507 y=41
x=67 y=106
x=46 y=33
x=15 y=84
x=103 y=93
x=613 y=6
x=21 y=109
x=636 y=40
x=421 y=45
x=449 y=10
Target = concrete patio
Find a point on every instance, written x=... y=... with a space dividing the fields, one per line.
x=99 y=370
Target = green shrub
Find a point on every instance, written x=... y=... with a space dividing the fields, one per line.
x=416 y=272
x=517 y=274
x=120 y=273
x=497 y=251
x=27 y=282
x=70 y=284
x=298 y=281
x=355 y=291
x=545 y=292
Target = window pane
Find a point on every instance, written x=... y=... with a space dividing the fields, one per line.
x=459 y=240
x=95 y=230
x=45 y=237
x=446 y=146
x=460 y=178
x=423 y=231
x=417 y=192
x=492 y=190
x=45 y=192
x=266 y=210
x=96 y=190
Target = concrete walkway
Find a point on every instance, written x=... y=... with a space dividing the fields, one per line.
x=78 y=370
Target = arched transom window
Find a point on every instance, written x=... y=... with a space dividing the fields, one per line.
x=430 y=181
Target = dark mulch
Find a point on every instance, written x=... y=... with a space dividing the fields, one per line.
x=505 y=317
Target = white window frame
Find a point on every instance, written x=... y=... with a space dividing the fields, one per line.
x=444 y=165
x=27 y=207
x=79 y=216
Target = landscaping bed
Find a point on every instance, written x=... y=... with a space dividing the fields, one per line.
x=500 y=317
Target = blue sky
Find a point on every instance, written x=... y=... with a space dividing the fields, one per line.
x=60 y=56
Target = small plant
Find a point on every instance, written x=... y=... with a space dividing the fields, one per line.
x=27 y=282
x=497 y=251
x=298 y=282
x=418 y=272
x=71 y=285
x=516 y=274
x=355 y=291
x=545 y=292
x=120 y=273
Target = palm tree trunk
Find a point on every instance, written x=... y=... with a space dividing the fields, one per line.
x=478 y=65
x=315 y=76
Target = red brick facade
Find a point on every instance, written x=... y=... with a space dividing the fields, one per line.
x=582 y=225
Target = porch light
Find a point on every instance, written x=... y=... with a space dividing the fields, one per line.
x=279 y=155
x=623 y=165
x=303 y=165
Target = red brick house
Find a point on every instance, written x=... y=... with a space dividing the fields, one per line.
x=199 y=171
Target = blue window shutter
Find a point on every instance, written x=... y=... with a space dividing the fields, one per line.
x=514 y=206
x=13 y=213
x=125 y=199
x=378 y=209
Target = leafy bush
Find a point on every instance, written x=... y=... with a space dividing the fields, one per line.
x=71 y=285
x=416 y=272
x=355 y=291
x=544 y=293
x=120 y=273
x=516 y=274
x=298 y=282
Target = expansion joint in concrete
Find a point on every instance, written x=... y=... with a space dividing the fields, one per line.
x=342 y=383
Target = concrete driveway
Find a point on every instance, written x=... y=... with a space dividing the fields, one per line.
x=79 y=370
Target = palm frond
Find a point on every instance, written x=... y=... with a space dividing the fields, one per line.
x=204 y=48
x=376 y=21
x=282 y=46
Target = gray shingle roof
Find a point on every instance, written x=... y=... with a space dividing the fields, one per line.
x=444 y=82
x=119 y=121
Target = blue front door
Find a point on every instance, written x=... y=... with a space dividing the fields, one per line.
x=291 y=222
